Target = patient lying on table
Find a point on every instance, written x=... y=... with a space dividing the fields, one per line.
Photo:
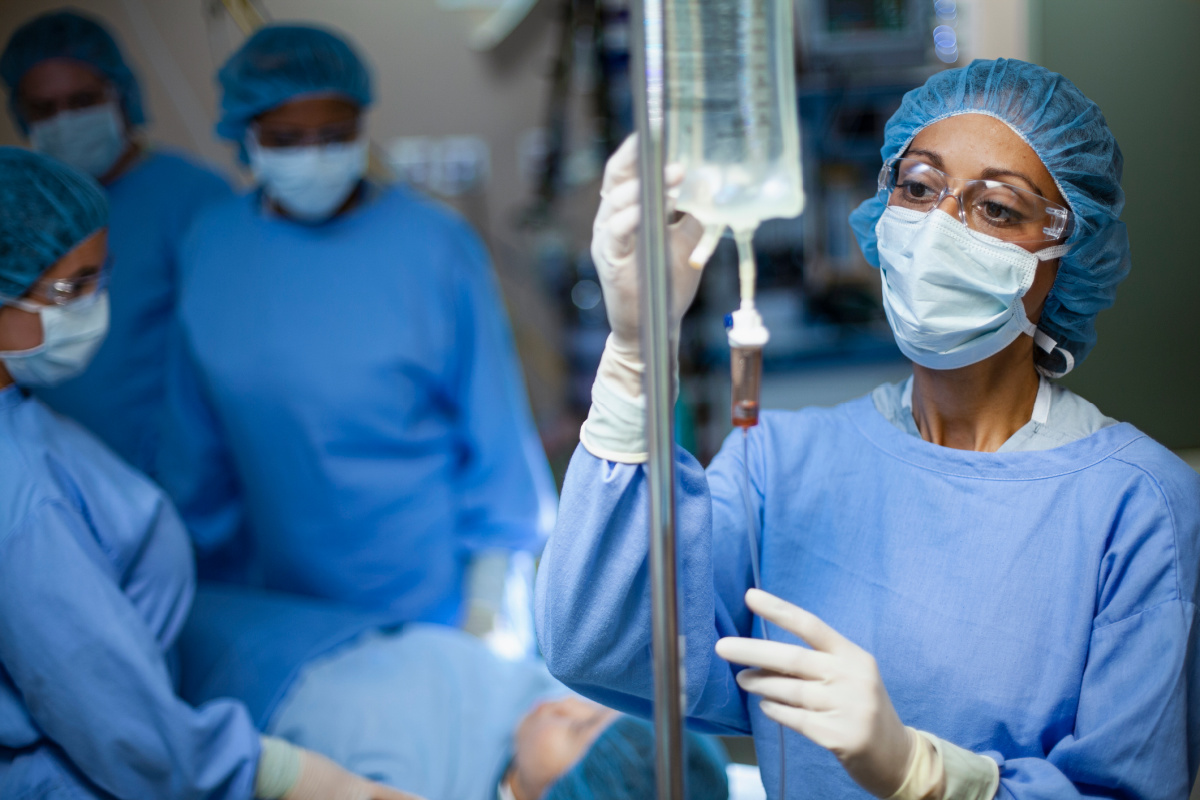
x=424 y=708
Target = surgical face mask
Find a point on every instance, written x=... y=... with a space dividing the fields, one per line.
x=91 y=140
x=71 y=335
x=953 y=295
x=310 y=183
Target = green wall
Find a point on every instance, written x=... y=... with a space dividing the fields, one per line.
x=1140 y=61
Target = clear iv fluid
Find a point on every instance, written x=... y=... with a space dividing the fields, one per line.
x=731 y=110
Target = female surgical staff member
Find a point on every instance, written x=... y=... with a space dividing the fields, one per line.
x=96 y=574
x=347 y=418
x=976 y=584
x=72 y=94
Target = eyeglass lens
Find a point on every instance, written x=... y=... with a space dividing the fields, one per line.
x=281 y=137
x=66 y=290
x=991 y=207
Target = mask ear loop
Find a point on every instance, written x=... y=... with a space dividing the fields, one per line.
x=1043 y=339
x=1049 y=345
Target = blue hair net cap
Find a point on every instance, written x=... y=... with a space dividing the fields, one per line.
x=69 y=34
x=46 y=210
x=1071 y=137
x=620 y=766
x=281 y=62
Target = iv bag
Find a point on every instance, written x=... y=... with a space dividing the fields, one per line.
x=731 y=110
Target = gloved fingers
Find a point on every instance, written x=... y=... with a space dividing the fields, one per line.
x=796 y=620
x=622 y=165
x=813 y=695
x=801 y=720
x=623 y=227
x=785 y=659
x=673 y=175
x=622 y=168
x=623 y=197
x=629 y=195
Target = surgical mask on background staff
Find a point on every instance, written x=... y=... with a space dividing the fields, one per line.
x=74 y=323
x=72 y=335
x=310 y=182
x=89 y=139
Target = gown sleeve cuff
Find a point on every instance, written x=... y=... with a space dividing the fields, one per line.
x=940 y=770
x=278 y=768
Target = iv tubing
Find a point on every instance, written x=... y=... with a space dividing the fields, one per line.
x=746 y=271
x=752 y=529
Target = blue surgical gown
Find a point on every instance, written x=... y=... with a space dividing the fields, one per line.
x=424 y=708
x=346 y=415
x=120 y=395
x=95 y=583
x=1036 y=607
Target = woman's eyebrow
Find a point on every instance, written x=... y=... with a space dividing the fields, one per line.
x=86 y=271
x=995 y=172
x=934 y=158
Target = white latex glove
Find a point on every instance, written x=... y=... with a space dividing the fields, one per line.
x=832 y=694
x=615 y=243
x=287 y=772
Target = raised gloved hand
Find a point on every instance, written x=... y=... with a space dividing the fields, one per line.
x=615 y=244
x=832 y=694
x=287 y=772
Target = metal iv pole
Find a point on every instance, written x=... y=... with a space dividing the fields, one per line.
x=658 y=351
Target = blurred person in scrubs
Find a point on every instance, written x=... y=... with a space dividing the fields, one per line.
x=974 y=583
x=424 y=708
x=347 y=418
x=96 y=572
x=75 y=98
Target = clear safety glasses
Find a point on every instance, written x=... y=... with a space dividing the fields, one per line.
x=42 y=109
x=991 y=207
x=286 y=137
x=63 y=291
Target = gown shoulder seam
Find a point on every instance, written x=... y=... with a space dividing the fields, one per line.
x=1166 y=502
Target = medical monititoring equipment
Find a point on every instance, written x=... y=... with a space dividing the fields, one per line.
x=733 y=125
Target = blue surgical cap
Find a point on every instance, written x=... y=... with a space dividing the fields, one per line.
x=1071 y=137
x=67 y=34
x=281 y=62
x=46 y=210
x=620 y=766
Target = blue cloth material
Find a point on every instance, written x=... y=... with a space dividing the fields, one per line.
x=1035 y=607
x=1072 y=138
x=424 y=708
x=251 y=645
x=75 y=36
x=46 y=210
x=95 y=582
x=346 y=415
x=429 y=710
x=119 y=397
x=281 y=62
x=620 y=765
